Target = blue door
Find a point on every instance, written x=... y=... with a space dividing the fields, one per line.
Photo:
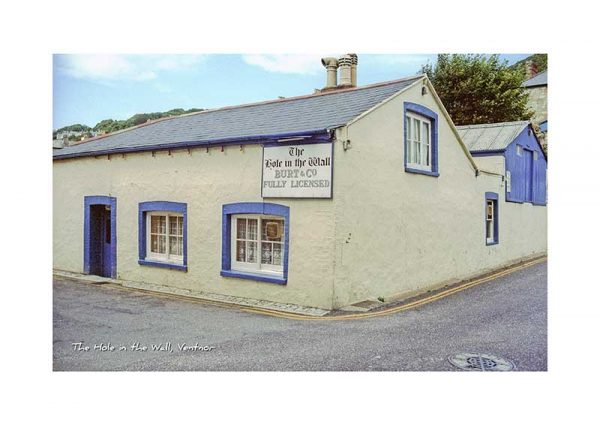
x=528 y=159
x=106 y=244
x=100 y=241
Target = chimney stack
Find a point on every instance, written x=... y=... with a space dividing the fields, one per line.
x=347 y=65
x=331 y=64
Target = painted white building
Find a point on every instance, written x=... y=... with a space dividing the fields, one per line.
x=323 y=200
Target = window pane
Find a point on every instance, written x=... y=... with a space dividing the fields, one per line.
x=265 y=256
x=241 y=228
x=158 y=224
x=272 y=230
x=158 y=244
x=176 y=225
x=489 y=233
x=409 y=128
x=426 y=143
x=240 y=251
x=417 y=130
x=176 y=245
x=252 y=229
x=417 y=159
x=251 y=252
x=277 y=254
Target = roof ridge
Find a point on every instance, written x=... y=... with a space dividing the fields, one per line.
x=245 y=105
x=496 y=124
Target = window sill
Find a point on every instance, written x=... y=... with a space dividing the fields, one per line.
x=408 y=169
x=254 y=276
x=491 y=243
x=154 y=263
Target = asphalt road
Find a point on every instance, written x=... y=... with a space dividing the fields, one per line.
x=506 y=317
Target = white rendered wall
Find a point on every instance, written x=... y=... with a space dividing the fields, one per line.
x=400 y=233
x=205 y=181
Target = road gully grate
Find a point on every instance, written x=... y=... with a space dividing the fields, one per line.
x=480 y=362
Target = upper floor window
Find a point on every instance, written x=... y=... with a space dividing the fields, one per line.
x=420 y=140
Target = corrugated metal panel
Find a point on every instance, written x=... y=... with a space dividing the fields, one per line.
x=485 y=137
x=294 y=115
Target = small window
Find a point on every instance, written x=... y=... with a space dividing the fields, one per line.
x=491 y=218
x=418 y=136
x=258 y=243
x=165 y=237
x=420 y=140
x=489 y=223
x=535 y=155
x=519 y=150
x=163 y=234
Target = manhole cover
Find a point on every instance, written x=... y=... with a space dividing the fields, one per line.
x=481 y=362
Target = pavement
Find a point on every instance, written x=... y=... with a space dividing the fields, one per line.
x=108 y=327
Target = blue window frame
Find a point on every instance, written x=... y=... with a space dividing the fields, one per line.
x=491 y=218
x=260 y=209
x=420 y=140
x=173 y=228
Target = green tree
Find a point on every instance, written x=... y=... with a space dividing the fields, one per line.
x=479 y=89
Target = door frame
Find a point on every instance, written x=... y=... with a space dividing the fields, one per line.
x=88 y=202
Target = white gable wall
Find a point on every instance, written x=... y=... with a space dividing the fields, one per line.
x=398 y=232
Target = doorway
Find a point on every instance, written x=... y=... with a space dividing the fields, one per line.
x=100 y=236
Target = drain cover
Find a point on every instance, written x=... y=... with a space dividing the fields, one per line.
x=481 y=362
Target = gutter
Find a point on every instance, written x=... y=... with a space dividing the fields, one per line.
x=310 y=136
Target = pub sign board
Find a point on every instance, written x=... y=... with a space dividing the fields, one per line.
x=297 y=171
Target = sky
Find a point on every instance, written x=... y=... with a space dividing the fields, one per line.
x=89 y=88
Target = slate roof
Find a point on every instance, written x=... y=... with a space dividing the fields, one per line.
x=303 y=114
x=490 y=137
x=540 y=79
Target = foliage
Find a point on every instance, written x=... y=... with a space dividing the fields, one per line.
x=540 y=60
x=75 y=127
x=479 y=89
x=110 y=125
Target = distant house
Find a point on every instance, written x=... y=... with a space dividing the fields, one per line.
x=512 y=149
x=537 y=86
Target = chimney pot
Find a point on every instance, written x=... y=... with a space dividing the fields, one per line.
x=345 y=65
x=331 y=64
x=354 y=58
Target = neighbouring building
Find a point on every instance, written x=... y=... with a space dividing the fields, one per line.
x=322 y=200
x=537 y=87
x=512 y=149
